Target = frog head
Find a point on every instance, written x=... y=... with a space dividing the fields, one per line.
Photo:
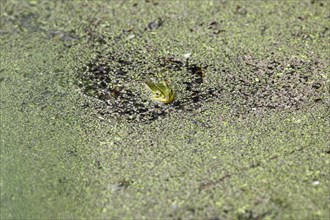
x=161 y=91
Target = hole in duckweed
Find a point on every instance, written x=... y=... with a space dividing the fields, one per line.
x=250 y=85
x=111 y=81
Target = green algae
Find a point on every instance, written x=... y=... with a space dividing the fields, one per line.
x=64 y=156
x=42 y=150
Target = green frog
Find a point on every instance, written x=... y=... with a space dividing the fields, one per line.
x=161 y=91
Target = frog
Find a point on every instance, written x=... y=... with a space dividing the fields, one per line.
x=161 y=91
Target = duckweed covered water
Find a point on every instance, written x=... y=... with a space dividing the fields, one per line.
x=246 y=138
